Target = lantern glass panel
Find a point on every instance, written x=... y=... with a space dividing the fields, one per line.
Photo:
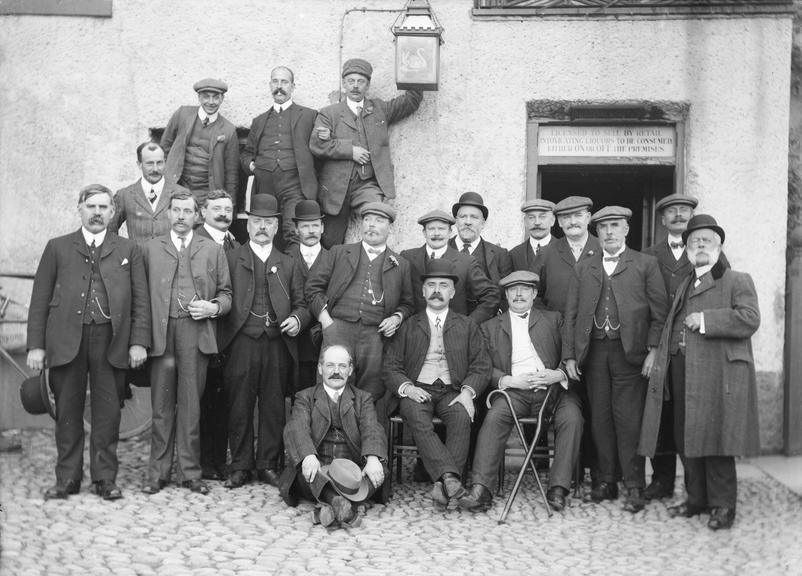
x=417 y=61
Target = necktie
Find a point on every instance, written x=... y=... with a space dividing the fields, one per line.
x=227 y=244
x=336 y=396
x=675 y=245
x=359 y=111
x=437 y=323
x=205 y=122
x=431 y=256
x=466 y=249
x=697 y=282
x=524 y=315
x=152 y=196
x=537 y=249
x=183 y=244
x=278 y=110
x=611 y=258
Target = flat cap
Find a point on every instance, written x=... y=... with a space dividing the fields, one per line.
x=379 y=208
x=307 y=210
x=470 y=199
x=440 y=268
x=524 y=277
x=611 y=213
x=702 y=221
x=210 y=85
x=674 y=199
x=538 y=204
x=357 y=66
x=572 y=203
x=436 y=215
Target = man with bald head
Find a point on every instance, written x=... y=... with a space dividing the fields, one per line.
x=277 y=152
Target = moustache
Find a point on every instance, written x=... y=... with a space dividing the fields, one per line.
x=678 y=220
x=222 y=218
x=279 y=91
x=437 y=296
x=96 y=219
x=519 y=299
x=336 y=376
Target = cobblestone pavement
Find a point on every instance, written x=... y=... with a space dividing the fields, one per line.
x=251 y=531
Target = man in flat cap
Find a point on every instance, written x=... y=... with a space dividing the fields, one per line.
x=524 y=345
x=437 y=366
x=472 y=284
x=558 y=263
x=201 y=145
x=705 y=359
x=268 y=311
x=142 y=206
x=361 y=294
x=471 y=213
x=89 y=315
x=333 y=428
x=309 y=253
x=538 y=219
x=615 y=310
x=277 y=152
x=351 y=138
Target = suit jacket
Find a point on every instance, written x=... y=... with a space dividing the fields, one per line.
x=285 y=287
x=497 y=262
x=721 y=417
x=337 y=152
x=144 y=220
x=524 y=258
x=224 y=163
x=209 y=275
x=309 y=339
x=544 y=331
x=311 y=419
x=302 y=120
x=328 y=281
x=639 y=294
x=674 y=271
x=557 y=269
x=472 y=284
x=466 y=354
x=58 y=299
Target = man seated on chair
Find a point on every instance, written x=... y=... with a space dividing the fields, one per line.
x=437 y=365
x=331 y=422
x=524 y=345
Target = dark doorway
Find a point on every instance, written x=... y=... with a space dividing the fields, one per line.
x=635 y=187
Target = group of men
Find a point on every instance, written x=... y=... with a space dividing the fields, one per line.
x=649 y=347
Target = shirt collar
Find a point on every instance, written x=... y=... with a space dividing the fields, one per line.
x=262 y=252
x=97 y=238
x=620 y=251
x=671 y=238
x=158 y=187
x=309 y=250
x=177 y=241
x=218 y=236
x=438 y=253
x=471 y=247
x=366 y=247
x=580 y=244
x=543 y=242
x=355 y=105
x=433 y=315
x=203 y=115
x=702 y=270
x=282 y=107
x=333 y=392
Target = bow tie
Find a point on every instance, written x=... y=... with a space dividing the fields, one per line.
x=675 y=245
x=612 y=258
x=524 y=315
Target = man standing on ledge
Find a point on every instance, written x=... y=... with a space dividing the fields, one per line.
x=277 y=153
x=351 y=137
x=705 y=355
x=201 y=145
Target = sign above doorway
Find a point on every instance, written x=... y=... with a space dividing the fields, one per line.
x=634 y=141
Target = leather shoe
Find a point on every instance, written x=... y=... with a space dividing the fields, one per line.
x=635 y=500
x=197 y=486
x=439 y=497
x=721 y=518
x=152 y=487
x=237 y=479
x=344 y=511
x=268 y=476
x=603 y=491
x=453 y=486
x=107 y=490
x=657 y=490
x=478 y=499
x=212 y=473
x=685 y=510
x=556 y=497
x=323 y=515
x=62 y=489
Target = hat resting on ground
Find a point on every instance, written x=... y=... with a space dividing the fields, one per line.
x=347 y=479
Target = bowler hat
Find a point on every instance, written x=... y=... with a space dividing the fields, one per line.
x=524 y=277
x=436 y=215
x=538 y=204
x=611 y=213
x=470 y=199
x=702 y=221
x=307 y=210
x=264 y=206
x=347 y=479
x=675 y=199
x=357 y=66
x=34 y=393
x=210 y=85
x=440 y=268
x=379 y=208
x=571 y=204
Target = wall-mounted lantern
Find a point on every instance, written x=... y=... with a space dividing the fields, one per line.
x=417 y=47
